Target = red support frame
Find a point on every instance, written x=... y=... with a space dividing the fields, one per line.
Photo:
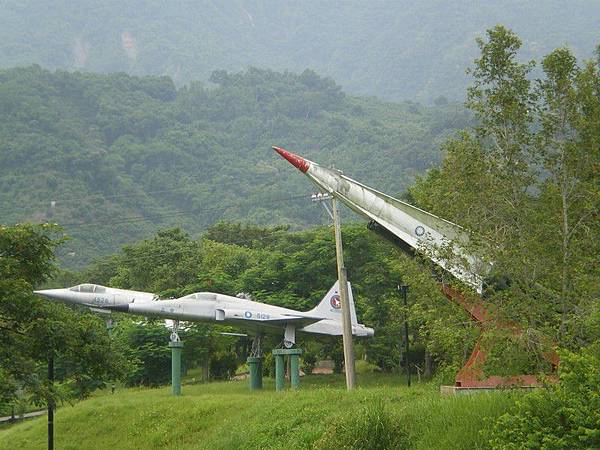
x=471 y=374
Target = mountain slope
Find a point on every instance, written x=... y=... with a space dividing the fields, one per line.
x=114 y=157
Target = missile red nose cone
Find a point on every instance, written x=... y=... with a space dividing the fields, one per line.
x=296 y=160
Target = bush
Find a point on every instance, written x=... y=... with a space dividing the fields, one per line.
x=564 y=416
x=371 y=428
x=268 y=365
x=308 y=362
x=223 y=365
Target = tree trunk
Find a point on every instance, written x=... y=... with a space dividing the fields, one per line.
x=427 y=371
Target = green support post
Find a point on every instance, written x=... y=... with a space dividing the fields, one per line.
x=295 y=370
x=279 y=372
x=176 y=347
x=294 y=355
x=255 y=368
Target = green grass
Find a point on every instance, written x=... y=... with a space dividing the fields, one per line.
x=226 y=415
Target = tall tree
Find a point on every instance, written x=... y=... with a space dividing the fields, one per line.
x=32 y=330
x=525 y=182
x=569 y=141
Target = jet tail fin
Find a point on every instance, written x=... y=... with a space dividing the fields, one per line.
x=330 y=307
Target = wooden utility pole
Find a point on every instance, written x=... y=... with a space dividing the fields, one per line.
x=346 y=320
x=404 y=290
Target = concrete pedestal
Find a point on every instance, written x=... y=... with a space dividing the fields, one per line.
x=294 y=355
x=176 y=347
x=255 y=369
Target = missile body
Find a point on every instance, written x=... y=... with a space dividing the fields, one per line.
x=417 y=228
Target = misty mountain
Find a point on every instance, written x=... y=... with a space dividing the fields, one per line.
x=416 y=50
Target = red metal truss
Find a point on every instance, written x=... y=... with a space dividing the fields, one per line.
x=471 y=374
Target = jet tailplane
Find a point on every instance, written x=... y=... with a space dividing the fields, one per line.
x=330 y=307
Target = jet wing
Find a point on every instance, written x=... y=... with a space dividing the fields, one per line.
x=268 y=319
x=290 y=318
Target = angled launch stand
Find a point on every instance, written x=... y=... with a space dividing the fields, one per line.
x=471 y=377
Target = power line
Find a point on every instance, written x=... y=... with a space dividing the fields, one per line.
x=101 y=196
x=186 y=251
x=180 y=212
x=183 y=212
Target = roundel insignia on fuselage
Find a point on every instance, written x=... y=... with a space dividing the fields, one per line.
x=419 y=231
x=335 y=302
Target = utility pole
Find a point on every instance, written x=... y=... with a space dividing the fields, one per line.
x=346 y=320
x=343 y=286
x=404 y=290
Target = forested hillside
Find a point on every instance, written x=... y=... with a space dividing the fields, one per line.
x=393 y=49
x=114 y=157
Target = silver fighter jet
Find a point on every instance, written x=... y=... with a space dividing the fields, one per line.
x=255 y=317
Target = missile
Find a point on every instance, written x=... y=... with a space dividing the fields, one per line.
x=419 y=229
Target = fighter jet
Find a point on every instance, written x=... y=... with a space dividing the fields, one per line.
x=96 y=297
x=254 y=317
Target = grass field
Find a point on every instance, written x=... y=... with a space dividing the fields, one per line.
x=226 y=415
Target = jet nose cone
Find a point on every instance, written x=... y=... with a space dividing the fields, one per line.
x=298 y=161
x=52 y=294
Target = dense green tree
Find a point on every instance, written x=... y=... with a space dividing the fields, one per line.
x=524 y=181
x=33 y=330
x=569 y=142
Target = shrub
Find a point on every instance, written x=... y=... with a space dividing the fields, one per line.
x=370 y=428
x=564 y=416
x=223 y=365
x=308 y=362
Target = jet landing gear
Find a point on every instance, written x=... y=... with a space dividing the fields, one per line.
x=255 y=363
x=289 y=336
x=176 y=346
x=256 y=350
x=175 y=331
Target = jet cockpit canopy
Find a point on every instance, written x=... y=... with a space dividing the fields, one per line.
x=201 y=296
x=89 y=288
